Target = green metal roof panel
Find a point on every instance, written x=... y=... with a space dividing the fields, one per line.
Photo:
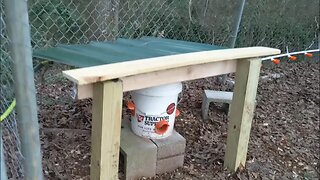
x=120 y=50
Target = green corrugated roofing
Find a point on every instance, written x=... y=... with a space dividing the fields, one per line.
x=98 y=53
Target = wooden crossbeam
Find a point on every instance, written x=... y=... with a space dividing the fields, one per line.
x=124 y=69
x=157 y=78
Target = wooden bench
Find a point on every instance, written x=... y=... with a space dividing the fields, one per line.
x=106 y=84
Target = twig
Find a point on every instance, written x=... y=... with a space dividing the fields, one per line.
x=190 y=16
x=310 y=45
x=206 y=8
x=315 y=19
x=213 y=37
x=65 y=130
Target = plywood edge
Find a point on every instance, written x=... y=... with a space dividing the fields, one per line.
x=118 y=70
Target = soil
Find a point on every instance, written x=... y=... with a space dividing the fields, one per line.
x=284 y=141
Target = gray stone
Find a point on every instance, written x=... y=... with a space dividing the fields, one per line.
x=171 y=146
x=169 y=164
x=140 y=154
x=145 y=157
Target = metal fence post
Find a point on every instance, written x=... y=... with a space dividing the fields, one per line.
x=237 y=21
x=2 y=165
x=20 y=47
x=234 y=32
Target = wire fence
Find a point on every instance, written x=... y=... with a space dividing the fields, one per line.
x=71 y=21
x=273 y=23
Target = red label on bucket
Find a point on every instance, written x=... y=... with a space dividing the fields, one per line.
x=171 y=108
x=140 y=118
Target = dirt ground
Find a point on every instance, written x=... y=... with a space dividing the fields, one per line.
x=284 y=142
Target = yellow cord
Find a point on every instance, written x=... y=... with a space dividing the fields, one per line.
x=44 y=62
x=13 y=103
x=8 y=111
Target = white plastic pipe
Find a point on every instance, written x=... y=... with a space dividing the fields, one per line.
x=290 y=54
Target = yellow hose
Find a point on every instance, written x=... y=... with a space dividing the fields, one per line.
x=13 y=103
x=8 y=111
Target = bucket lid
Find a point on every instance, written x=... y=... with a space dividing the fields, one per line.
x=163 y=90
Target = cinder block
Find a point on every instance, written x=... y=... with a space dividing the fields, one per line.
x=215 y=96
x=169 y=164
x=145 y=157
x=171 y=146
x=219 y=96
x=140 y=154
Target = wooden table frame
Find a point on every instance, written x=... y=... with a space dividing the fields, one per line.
x=106 y=84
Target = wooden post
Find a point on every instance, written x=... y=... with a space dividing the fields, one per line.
x=242 y=108
x=106 y=129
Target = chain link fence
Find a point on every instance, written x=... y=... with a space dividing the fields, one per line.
x=274 y=23
x=270 y=23
x=71 y=22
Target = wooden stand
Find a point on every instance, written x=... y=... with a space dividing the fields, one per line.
x=106 y=83
x=242 y=108
x=106 y=129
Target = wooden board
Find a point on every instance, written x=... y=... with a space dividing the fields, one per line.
x=242 y=108
x=157 y=78
x=106 y=128
x=118 y=70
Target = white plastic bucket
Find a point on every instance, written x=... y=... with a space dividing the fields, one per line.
x=153 y=110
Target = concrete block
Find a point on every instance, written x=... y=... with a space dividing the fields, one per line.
x=170 y=146
x=219 y=96
x=169 y=164
x=215 y=96
x=140 y=154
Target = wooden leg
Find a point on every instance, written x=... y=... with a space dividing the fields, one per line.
x=242 y=108
x=106 y=129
